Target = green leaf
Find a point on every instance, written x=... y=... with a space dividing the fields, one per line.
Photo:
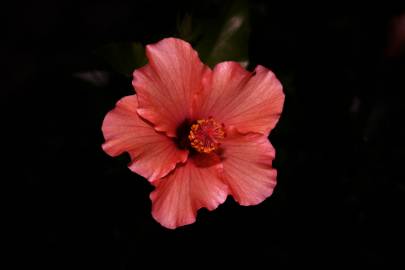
x=123 y=57
x=224 y=38
x=185 y=28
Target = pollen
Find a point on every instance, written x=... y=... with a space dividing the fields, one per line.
x=206 y=134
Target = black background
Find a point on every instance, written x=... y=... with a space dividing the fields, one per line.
x=340 y=193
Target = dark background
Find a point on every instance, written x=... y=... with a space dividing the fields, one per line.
x=341 y=185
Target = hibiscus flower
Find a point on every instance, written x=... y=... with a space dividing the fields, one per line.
x=198 y=135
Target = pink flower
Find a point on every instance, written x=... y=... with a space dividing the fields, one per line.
x=197 y=134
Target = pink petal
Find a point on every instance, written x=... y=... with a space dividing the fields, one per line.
x=153 y=154
x=189 y=187
x=252 y=102
x=167 y=85
x=247 y=164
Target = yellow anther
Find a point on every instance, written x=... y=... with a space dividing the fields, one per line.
x=205 y=135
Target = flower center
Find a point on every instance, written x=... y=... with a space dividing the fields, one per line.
x=205 y=135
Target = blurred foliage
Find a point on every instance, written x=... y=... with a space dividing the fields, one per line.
x=223 y=37
x=123 y=57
